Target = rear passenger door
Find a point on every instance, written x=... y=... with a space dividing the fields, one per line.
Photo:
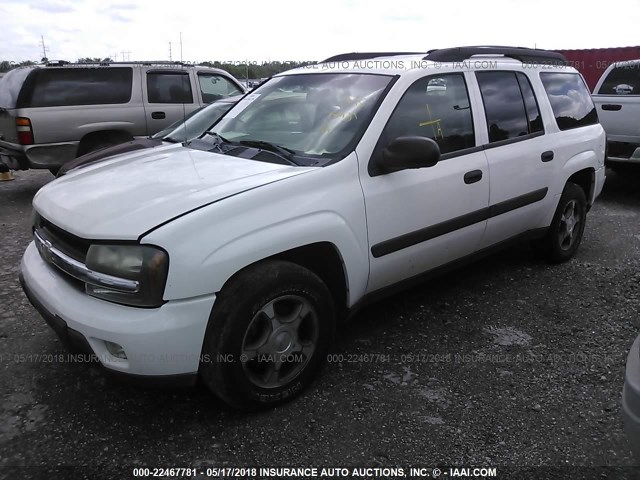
x=521 y=164
x=168 y=98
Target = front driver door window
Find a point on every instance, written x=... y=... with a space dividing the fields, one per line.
x=214 y=87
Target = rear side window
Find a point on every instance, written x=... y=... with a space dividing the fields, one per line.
x=622 y=80
x=570 y=100
x=54 y=87
x=169 y=87
x=510 y=105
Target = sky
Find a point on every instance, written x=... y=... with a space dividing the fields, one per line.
x=287 y=30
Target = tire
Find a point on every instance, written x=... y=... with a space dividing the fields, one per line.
x=257 y=351
x=567 y=227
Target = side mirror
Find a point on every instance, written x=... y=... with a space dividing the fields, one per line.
x=408 y=152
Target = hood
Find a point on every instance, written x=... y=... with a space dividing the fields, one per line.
x=123 y=197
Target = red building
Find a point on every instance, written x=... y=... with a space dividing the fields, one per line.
x=594 y=61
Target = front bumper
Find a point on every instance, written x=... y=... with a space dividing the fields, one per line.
x=165 y=341
x=631 y=398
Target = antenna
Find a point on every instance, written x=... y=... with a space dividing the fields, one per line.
x=184 y=108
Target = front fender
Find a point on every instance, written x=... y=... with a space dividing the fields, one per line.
x=320 y=227
x=207 y=246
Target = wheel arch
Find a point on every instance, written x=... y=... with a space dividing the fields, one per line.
x=586 y=180
x=580 y=169
x=325 y=261
x=110 y=135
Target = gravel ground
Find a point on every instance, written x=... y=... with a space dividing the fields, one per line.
x=507 y=362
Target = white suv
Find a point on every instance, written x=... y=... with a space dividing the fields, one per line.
x=233 y=257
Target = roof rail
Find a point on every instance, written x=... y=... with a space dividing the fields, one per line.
x=459 y=54
x=345 y=57
x=58 y=63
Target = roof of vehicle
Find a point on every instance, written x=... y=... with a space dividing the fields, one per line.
x=458 y=57
x=156 y=64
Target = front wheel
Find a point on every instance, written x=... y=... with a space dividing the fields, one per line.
x=567 y=227
x=267 y=336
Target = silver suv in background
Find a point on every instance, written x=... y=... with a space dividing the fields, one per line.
x=52 y=114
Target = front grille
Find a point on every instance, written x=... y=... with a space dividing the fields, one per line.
x=74 y=247
x=69 y=244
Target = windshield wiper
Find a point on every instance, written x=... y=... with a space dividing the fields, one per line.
x=284 y=152
x=218 y=140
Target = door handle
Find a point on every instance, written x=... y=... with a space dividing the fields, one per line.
x=473 y=176
x=612 y=107
x=547 y=156
x=158 y=115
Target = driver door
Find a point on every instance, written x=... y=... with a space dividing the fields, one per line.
x=419 y=219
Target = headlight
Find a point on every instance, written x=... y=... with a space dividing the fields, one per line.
x=144 y=264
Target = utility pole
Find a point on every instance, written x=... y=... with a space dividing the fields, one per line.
x=170 y=58
x=44 y=48
x=128 y=55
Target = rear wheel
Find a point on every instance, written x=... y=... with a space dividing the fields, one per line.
x=567 y=227
x=267 y=336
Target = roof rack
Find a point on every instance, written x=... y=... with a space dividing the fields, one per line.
x=56 y=63
x=459 y=54
x=59 y=63
x=345 y=57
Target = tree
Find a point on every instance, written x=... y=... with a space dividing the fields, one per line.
x=89 y=60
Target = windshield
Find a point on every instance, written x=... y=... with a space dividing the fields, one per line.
x=308 y=114
x=194 y=124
